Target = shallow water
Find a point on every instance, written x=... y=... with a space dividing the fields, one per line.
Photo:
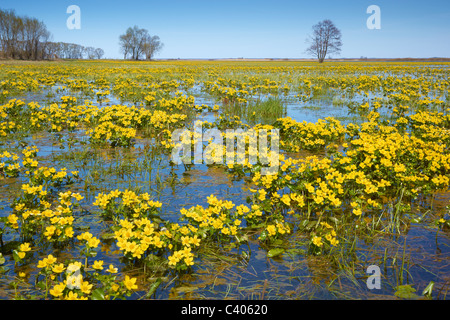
x=419 y=255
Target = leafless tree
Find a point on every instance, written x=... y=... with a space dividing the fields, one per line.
x=90 y=52
x=99 y=53
x=137 y=42
x=52 y=50
x=10 y=29
x=125 y=42
x=22 y=37
x=33 y=35
x=325 y=40
x=152 y=46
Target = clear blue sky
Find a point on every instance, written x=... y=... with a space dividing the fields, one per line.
x=250 y=28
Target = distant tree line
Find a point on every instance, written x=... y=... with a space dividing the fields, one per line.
x=65 y=50
x=26 y=38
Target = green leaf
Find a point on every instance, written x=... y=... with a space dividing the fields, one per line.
x=334 y=219
x=416 y=220
x=406 y=292
x=311 y=224
x=98 y=294
x=41 y=285
x=275 y=252
x=153 y=288
x=4 y=269
x=242 y=238
x=107 y=236
x=16 y=256
x=2 y=259
x=263 y=235
x=427 y=291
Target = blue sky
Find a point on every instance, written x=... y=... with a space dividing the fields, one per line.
x=249 y=28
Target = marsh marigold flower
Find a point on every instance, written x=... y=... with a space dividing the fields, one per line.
x=317 y=241
x=130 y=283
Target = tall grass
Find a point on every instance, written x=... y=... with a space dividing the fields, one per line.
x=263 y=111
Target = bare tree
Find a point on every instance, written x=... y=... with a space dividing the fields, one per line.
x=22 y=37
x=75 y=51
x=152 y=46
x=325 y=40
x=35 y=34
x=99 y=53
x=90 y=52
x=10 y=31
x=42 y=49
x=52 y=50
x=137 y=42
x=125 y=42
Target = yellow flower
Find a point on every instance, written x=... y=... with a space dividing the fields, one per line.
x=286 y=199
x=195 y=241
x=19 y=207
x=111 y=269
x=189 y=261
x=46 y=261
x=12 y=218
x=334 y=242
x=212 y=200
x=173 y=260
x=130 y=283
x=42 y=263
x=73 y=296
x=93 y=242
x=57 y=290
x=69 y=232
x=77 y=196
x=51 y=259
x=317 y=241
x=115 y=287
x=58 y=268
x=85 y=287
x=262 y=194
x=49 y=231
x=85 y=236
x=271 y=229
x=98 y=265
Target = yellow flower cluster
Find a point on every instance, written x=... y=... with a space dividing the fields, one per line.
x=217 y=218
x=127 y=204
x=296 y=136
x=68 y=281
x=137 y=237
x=55 y=224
